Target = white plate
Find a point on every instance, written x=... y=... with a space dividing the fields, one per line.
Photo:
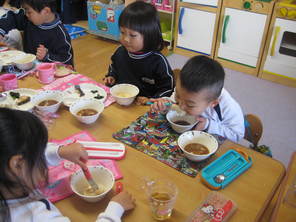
x=71 y=95
x=23 y=92
x=8 y=57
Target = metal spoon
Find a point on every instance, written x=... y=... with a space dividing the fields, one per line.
x=219 y=178
x=78 y=88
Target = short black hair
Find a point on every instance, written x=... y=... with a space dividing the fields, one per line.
x=143 y=18
x=38 y=5
x=200 y=73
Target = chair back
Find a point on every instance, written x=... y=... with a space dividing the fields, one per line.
x=253 y=129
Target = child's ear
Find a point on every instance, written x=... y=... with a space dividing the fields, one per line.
x=214 y=103
x=46 y=10
x=16 y=163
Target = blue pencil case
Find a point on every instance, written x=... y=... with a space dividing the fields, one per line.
x=225 y=169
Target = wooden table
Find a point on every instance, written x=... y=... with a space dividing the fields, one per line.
x=283 y=211
x=252 y=191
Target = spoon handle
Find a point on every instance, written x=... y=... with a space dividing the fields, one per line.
x=90 y=179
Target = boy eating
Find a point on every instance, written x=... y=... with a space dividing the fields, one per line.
x=199 y=91
x=44 y=33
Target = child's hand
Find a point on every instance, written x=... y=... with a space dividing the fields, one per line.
x=141 y=100
x=74 y=153
x=159 y=105
x=125 y=200
x=41 y=52
x=201 y=125
x=109 y=81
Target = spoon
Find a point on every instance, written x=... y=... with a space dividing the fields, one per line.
x=93 y=186
x=78 y=88
x=219 y=178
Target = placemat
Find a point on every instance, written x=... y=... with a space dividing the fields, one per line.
x=59 y=176
x=74 y=79
x=152 y=135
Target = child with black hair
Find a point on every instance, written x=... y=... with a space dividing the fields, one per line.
x=24 y=156
x=139 y=60
x=199 y=92
x=44 y=33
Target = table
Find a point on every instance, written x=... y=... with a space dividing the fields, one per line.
x=252 y=191
x=284 y=211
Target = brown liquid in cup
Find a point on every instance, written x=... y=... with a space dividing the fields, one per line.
x=48 y=102
x=87 y=112
x=182 y=122
x=196 y=148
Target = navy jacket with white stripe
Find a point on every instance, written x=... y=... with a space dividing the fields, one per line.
x=150 y=72
x=52 y=35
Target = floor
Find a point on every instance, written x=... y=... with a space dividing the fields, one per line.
x=273 y=103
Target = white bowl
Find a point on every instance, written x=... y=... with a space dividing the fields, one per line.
x=124 y=94
x=25 y=62
x=173 y=116
x=101 y=175
x=48 y=95
x=198 y=137
x=87 y=104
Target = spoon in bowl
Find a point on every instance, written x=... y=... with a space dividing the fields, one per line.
x=93 y=185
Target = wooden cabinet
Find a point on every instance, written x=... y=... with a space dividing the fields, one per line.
x=196 y=28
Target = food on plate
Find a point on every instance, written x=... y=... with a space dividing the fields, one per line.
x=196 y=148
x=87 y=112
x=62 y=71
x=48 y=102
x=79 y=90
x=14 y=95
x=99 y=96
x=23 y=100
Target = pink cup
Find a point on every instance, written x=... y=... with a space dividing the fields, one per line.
x=8 y=81
x=45 y=72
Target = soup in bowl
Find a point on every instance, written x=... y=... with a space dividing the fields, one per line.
x=197 y=145
x=124 y=94
x=48 y=101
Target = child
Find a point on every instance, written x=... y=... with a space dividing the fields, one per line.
x=23 y=165
x=44 y=33
x=199 y=92
x=13 y=39
x=139 y=61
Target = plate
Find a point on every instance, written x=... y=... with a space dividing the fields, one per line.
x=71 y=94
x=8 y=57
x=62 y=71
x=23 y=92
x=3 y=48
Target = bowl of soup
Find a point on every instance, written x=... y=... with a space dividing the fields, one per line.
x=25 y=62
x=124 y=94
x=48 y=101
x=87 y=110
x=103 y=178
x=180 y=121
x=197 y=145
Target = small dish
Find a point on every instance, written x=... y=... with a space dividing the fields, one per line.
x=91 y=91
x=25 y=62
x=124 y=94
x=101 y=175
x=180 y=121
x=200 y=137
x=87 y=104
x=47 y=95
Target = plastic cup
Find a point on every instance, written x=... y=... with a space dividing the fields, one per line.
x=46 y=72
x=162 y=196
x=8 y=81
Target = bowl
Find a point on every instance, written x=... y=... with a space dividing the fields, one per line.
x=124 y=94
x=25 y=62
x=87 y=104
x=48 y=95
x=101 y=175
x=188 y=121
x=198 y=137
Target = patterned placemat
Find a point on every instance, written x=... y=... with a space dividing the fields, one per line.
x=152 y=135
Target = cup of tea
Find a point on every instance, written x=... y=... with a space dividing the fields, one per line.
x=162 y=196
x=45 y=72
x=8 y=81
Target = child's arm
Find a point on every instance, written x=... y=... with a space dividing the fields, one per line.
x=59 y=49
x=164 y=80
x=110 y=78
x=73 y=152
x=13 y=20
x=116 y=207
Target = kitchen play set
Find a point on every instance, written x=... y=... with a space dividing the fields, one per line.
x=241 y=35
